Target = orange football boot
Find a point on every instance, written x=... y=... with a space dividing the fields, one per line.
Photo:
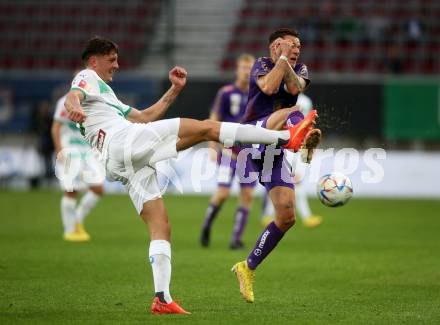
x=159 y=308
x=300 y=133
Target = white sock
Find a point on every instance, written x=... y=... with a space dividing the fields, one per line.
x=160 y=260
x=301 y=202
x=87 y=203
x=250 y=134
x=68 y=214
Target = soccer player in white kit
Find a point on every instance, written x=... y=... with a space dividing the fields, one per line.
x=132 y=141
x=309 y=219
x=69 y=144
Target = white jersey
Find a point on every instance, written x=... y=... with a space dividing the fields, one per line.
x=69 y=132
x=105 y=113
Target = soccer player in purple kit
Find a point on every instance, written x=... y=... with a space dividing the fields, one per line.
x=229 y=106
x=275 y=83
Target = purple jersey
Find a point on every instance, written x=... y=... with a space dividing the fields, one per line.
x=230 y=103
x=261 y=105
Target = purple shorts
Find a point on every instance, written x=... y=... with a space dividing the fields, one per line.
x=228 y=167
x=269 y=162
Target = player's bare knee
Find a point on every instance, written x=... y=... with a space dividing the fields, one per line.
x=286 y=217
x=221 y=196
x=246 y=198
x=287 y=221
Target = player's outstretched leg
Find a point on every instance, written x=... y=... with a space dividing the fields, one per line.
x=155 y=216
x=304 y=136
x=293 y=118
x=192 y=132
x=283 y=200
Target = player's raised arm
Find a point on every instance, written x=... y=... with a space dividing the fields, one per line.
x=73 y=105
x=280 y=52
x=177 y=76
x=294 y=83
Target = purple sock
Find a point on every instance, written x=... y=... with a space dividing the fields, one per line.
x=210 y=215
x=241 y=217
x=295 y=117
x=264 y=245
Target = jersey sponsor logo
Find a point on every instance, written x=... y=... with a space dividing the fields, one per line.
x=101 y=138
x=84 y=85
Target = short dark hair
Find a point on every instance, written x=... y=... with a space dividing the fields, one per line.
x=281 y=32
x=98 y=46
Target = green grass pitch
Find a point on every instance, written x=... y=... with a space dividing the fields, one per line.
x=371 y=262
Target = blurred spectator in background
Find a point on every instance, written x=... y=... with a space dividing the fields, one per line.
x=414 y=29
x=41 y=126
x=348 y=27
x=6 y=110
x=377 y=26
x=393 y=60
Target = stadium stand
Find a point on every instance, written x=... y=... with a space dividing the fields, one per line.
x=48 y=34
x=198 y=30
x=346 y=36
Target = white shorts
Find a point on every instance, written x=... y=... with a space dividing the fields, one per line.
x=80 y=170
x=133 y=153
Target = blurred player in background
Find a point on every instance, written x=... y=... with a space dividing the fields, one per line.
x=302 y=205
x=132 y=141
x=70 y=145
x=229 y=106
x=274 y=86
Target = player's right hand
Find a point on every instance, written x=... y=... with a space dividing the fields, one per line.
x=76 y=114
x=60 y=157
x=283 y=47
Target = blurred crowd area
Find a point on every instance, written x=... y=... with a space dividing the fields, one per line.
x=339 y=36
x=370 y=36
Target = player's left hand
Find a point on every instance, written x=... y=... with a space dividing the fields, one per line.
x=177 y=76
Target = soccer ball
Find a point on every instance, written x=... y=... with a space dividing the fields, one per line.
x=334 y=189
